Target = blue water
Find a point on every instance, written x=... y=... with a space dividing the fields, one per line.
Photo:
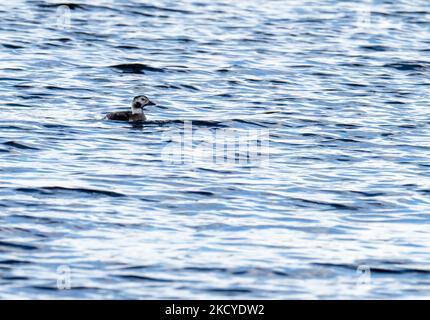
x=338 y=89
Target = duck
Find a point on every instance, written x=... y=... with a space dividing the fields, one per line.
x=136 y=114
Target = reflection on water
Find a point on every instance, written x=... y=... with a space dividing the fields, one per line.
x=336 y=90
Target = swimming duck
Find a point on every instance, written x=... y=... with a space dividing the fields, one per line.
x=136 y=113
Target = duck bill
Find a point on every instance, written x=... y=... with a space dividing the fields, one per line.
x=150 y=103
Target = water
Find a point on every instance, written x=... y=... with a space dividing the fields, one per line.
x=339 y=90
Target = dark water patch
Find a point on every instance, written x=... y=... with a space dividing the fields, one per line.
x=145 y=199
x=233 y=291
x=377 y=48
x=69 y=89
x=14 y=104
x=36 y=96
x=209 y=123
x=17 y=145
x=178 y=67
x=337 y=206
x=408 y=66
x=13 y=69
x=167 y=86
x=12 y=127
x=63 y=40
x=14 y=278
x=334 y=140
x=141 y=278
x=88 y=191
x=407 y=126
x=13 y=245
x=188 y=86
x=14 y=262
x=150 y=15
x=72 y=6
x=218 y=171
x=353 y=64
x=206 y=269
x=254 y=80
x=236 y=271
x=301 y=66
x=323 y=74
x=395 y=102
x=261 y=124
x=347 y=125
x=344 y=159
x=279 y=82
x=369 y=194
x=195 y=123
x=376 y=270
x=23 y=86
x=201 y=193
x=356 y=85
x=92 y=7
x=128 y=47
x=139 y=267
x=405 y=12
x=47 y=288
x=309 y=134
x=259 y=271
x=12 y=79
x=53 y=190
x=93 y=37
x=12 y=46
x=137 y=68
x=224 y=95
x=55 y=126
x=255 y=40
x=43 y=220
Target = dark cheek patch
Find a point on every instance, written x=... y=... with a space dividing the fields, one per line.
x=138 y=105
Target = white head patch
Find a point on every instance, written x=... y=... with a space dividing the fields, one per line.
x=138 y=103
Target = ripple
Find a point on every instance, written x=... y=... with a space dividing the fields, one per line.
x=408 y=66
x=55 y=190
x=377 y=270
x=72 y=6
x=16 y=246
x=136 y=68
x=17 y=145
x=141 y=278
x=11 y=46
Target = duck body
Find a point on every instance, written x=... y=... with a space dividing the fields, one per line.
x=136 y=113
x=125 y=116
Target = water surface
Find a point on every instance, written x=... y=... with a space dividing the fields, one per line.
x=340 y=210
